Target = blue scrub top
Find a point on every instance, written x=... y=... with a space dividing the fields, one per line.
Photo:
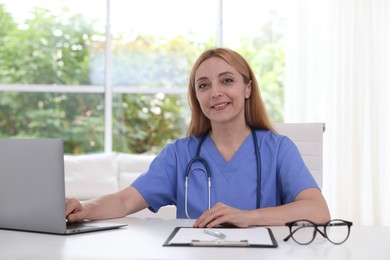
x=283 y=175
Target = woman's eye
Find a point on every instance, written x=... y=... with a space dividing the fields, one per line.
x=202 y=86
x=227 y=81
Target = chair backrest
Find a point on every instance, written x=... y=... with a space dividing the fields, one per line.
x=308 y=137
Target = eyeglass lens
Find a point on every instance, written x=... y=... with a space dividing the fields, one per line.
x=303 y=232
x=337 y=231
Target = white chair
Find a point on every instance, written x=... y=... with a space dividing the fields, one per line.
x=308 y=137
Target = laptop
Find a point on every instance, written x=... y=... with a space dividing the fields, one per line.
x=32 y=188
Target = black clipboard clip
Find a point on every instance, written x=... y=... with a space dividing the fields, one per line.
x=240 y=243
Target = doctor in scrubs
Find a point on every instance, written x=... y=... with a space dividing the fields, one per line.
x=231 y=169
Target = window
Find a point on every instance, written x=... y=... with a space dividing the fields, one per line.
x=114 y=77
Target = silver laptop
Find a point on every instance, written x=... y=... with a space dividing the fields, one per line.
x=32 y=188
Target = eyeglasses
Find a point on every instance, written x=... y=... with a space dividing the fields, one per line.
x=304 y=231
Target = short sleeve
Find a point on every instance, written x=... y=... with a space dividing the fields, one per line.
x=293 y=174
x=158 y=185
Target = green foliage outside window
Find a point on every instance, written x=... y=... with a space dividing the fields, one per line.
x=61 y=50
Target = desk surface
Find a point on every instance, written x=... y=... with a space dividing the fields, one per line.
x=143 y=239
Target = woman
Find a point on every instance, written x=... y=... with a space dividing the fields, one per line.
x=256 y=177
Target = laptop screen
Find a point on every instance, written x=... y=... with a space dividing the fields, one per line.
x=32 y=189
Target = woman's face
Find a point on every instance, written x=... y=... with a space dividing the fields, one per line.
x=221 y=91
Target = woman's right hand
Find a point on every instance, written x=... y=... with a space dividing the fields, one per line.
x=75 y=212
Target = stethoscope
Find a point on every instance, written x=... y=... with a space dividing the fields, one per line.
x=207 y=172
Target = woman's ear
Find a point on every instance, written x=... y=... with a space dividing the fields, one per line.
x=248 y=89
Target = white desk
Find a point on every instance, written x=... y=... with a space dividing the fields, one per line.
x=143 y=239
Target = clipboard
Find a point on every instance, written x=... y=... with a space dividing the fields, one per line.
x=233 y=237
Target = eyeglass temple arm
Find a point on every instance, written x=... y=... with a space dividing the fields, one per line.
x=322 y=233
x=287 y=237
x=292 y=233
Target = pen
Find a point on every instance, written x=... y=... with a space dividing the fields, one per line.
x=214 y=233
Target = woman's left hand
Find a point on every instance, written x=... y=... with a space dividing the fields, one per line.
x=222 y=214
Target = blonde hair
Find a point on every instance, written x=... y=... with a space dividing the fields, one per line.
x=256 y=115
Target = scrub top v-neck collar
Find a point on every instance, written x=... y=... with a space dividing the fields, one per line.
x=227 y=168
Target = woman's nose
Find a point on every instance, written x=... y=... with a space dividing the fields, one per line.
x=216 y=91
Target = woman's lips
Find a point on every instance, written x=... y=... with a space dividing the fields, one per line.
x=220 y=105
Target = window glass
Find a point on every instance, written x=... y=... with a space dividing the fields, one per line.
x=145 y=123
x=50 y=42
x=155 y=42
x=78 y=119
